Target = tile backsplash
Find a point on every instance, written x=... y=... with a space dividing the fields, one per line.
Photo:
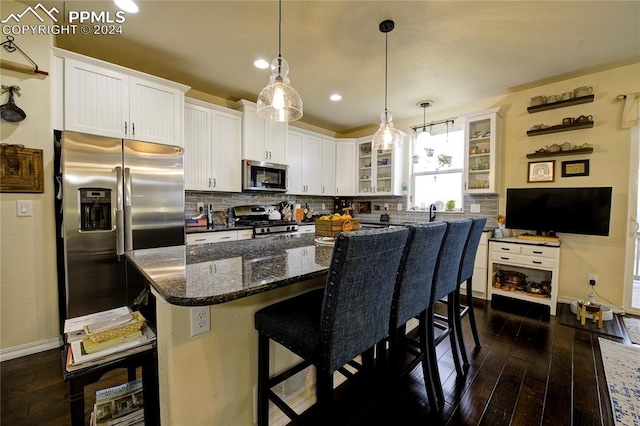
x=223 y=200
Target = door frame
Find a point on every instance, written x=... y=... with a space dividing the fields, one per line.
x=634 y=221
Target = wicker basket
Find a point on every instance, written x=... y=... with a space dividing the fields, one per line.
x=331 y=228
x=119 y=331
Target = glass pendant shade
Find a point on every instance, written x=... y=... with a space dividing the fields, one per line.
x=387 y=136
x=423 y=136
x=279 y=101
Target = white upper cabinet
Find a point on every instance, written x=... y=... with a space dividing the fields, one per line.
x=155 y=112
x=345 y=167
x=262 y=140
x=304 y=157
x=212 y=148
x=197 y=147
x=379 y=171
x=328 y=167
x=109 y=100
x=482 y=145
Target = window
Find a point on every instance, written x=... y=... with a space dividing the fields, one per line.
x=437 y=166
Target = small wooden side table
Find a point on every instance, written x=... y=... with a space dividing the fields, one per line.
x=596 y=314
x=78 y=379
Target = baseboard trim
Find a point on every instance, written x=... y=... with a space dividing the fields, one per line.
x=30 y=348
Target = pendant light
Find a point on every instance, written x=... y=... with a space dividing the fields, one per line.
x=278 y=101
x=422 y=136
x=387 y=135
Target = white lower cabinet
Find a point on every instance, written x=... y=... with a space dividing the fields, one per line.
x=212 y=148
x=540 y=263
x=479 y=278
x=219 y=236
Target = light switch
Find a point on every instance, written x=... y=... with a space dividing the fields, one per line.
x=23 y=208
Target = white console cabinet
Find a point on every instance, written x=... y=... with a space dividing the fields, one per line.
x=479 y=278
x=538 y=261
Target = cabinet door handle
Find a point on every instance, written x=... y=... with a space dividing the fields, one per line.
x=537 y=252
x=200 y=239
x=125 y=127
x=209 y=182
x=133 y=129
x=214 y=182
x=224 y=238
x=537 y=262
x=505 y=258
x=505 y=249
x=266 y=155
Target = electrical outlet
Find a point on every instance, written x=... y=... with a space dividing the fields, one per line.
x=200 y=320
x=475 y=208
x=593 y=279
x=323 y=207
x=386 y=206
x=200 y=207
x=399 y=206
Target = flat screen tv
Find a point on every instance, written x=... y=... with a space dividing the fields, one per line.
x=550 y=210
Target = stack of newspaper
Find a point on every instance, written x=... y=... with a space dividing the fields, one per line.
x=96 y=338
x=119 y=405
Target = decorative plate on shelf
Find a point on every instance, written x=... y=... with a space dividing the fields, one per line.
x=439 y=205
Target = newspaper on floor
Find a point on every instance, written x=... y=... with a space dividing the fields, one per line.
x=121 y=405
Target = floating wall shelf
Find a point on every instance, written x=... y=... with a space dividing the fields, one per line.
x=561 y=104
x=560 y=128
x=557 y=153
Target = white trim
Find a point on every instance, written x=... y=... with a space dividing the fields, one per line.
x=30 y=348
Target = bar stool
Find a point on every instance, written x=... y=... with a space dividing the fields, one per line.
x=411 y=299
x=444 y=285
x=329 y=327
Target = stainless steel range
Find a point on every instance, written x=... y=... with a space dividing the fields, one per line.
x=265 y=219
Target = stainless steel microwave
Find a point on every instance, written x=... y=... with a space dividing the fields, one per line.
x=263 y=176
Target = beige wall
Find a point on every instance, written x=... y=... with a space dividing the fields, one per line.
x=609 y=166
x=28 y=284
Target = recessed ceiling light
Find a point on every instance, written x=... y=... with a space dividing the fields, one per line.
x=261 y=63
x=127 y=5
x=335 y=97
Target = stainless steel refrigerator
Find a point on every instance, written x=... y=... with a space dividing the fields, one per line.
x=115 y=195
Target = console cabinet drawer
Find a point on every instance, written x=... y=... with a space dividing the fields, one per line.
x=539 y=251
x=505 y=248
x=527 y=261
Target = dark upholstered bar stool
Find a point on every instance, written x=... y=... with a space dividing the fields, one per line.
x=329 y=327
x=412 y=298
x=466 y=274
x=445 y=284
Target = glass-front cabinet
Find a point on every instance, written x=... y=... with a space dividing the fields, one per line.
x=379 y=171
x=482 y=144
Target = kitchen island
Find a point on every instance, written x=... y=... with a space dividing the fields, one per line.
x=209 y=379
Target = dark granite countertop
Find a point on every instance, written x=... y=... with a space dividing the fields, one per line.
x=208 y=274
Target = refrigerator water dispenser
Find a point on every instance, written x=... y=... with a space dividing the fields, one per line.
x=95 y=209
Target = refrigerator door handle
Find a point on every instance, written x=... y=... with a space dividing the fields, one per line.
x=119 y=214
x=128 y=241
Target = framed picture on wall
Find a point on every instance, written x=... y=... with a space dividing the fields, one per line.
x=541 y=171
x=575 y=168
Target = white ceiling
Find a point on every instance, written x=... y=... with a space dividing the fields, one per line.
x=452 y=52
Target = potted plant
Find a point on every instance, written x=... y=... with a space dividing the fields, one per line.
x=451 y=205
x=416 y=159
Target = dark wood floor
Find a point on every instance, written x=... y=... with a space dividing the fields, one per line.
x=531 y=370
